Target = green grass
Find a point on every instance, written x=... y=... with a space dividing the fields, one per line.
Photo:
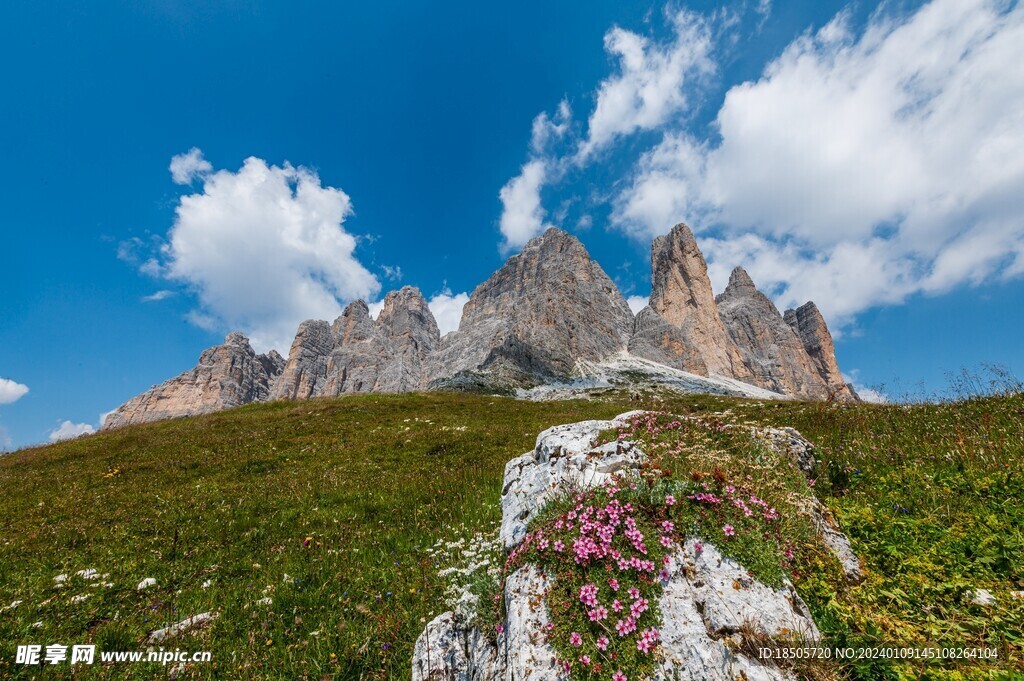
x=345 y=495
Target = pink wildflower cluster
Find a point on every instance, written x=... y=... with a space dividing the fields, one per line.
x=750 y=505
x=606 y=540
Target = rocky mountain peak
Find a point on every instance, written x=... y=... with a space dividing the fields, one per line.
x=741 y=283
x=547 y=313
x=681 y=295
x=545 y=308
x=771 y=349
x=354 y=323
x=237 y=338
x=227 y=375
x=405 y=314
x=809 y=325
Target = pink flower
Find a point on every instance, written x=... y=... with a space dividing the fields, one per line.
x=669 y=501
x=698 y=547
x=619 y=676
x=585 y=659
x=634 y=593
x=588 y=594
x=639 y=606
x=559 y=546
x=668 y=526
x=614 y=584
x=665 y=540
x=728 y=530
x=664 y=575
x=623 y=627
x=617 y=605
x=575 y=638
x=598 y=613
x=648 y=640
x=602 y=643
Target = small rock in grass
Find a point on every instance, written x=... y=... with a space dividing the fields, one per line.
x=265 y=601
x=12 y=606
x=146 y=583
x=79 y=599
x=37 y=625
x=60 y=579
x=88 y=574
x=981 y=597
x=186 y=625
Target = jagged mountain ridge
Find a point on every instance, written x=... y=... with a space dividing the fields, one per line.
x=548 y=311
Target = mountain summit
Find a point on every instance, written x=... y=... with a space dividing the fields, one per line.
x=548 y=314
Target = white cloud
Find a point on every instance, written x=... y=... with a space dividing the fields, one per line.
x=186 y=168
x=637 y=303
x=68 y=430
x=375 y=308
x=861 y=168
x=648 y=88
x=104 y=415
x=523 y=216
x=11 y=391
x=651 y=82
x=264 y=248
x=447 y=309
x=867 y=394
x=392 y=273
x=158 y=296
x=546 y=130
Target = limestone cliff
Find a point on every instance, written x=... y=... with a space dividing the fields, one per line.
x=227 y=375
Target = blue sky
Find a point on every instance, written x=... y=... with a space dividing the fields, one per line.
x=869 y=158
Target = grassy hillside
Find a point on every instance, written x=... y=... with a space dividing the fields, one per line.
x=326 y=508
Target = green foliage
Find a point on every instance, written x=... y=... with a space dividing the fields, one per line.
x=345 y=495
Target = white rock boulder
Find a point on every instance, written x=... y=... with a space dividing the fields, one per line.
x=707 y=600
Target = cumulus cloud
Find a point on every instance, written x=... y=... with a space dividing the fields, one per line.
x=649 y=86
x=186 y=168
x=651 y=82
x=637 y=303
x=863 y=166
x=867 y=394
x=68 y=430
x=447 y=309
x=522 y=215
x=263 y=248
x=11 y=391
x=548 y=129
